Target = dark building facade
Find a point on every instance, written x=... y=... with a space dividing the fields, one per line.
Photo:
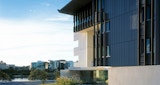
x=126 y=32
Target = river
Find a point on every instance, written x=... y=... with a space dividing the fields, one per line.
x=24 y=81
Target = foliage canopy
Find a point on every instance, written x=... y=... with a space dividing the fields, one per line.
x=4 y=76
x=38 y=75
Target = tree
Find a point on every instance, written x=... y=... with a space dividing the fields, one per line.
x=38 y=75
x=56 y=74
x=4 y=76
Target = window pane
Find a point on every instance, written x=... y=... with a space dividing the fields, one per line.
x=108 y=51
x=99 y=52
x=107 y=26
x=142 y=45
x=148 y=46
x=99 y=5
x=102 y=28
x=142 y=17
x=148 y=13
x=103 y=4
x=103 y=51
x=148 y=2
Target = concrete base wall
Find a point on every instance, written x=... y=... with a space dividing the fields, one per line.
x=136 y=75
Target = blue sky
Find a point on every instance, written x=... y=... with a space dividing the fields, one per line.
x=32 y=30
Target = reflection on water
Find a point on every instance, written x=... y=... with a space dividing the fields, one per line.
x=20 y=79
x=24 y=81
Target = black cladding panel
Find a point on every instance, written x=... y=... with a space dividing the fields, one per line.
x=123 y=35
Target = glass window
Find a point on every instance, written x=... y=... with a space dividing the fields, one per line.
x=148 y=2
x=99 y=38
x=148 y=13
x=108 y=51
x=142 y=17
x=77 y=21
x=148 y=44
x=142 y=45
x=99 y=52
x=102 y=28
x=88 y=19
x=107 y=26
x=103 y=4
x=103 y=51
x=99 y=4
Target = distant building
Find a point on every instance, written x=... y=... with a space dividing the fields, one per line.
x=60 y=64
x=46 y=65
x=39 y=65
x=52 y=65
x=3 y=65
x=33 y=65
x=57 y=64
x=69 y=64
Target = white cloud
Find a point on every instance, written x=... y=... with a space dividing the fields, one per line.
x=28 y=41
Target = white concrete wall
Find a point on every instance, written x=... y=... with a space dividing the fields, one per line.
x=81 y=50
x=90 y=48
x=84 y=51
x=136 y=75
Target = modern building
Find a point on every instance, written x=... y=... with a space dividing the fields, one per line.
x=115 y=32
x=54 y=64
x=69 y=64
x=3 y=65
x=39 y=65
x=60 y=64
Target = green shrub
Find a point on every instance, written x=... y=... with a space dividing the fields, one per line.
x=38 y=75
x=56 y=74
x=67 y=81
x=4 y=76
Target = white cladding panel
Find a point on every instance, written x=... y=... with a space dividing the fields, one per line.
x=84 y=51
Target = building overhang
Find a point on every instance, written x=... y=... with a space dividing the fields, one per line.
x=73 y=6
x=89 y=68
